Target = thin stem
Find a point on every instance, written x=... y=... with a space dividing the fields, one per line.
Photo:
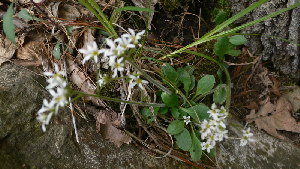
x=156 y=83
x=120 y=100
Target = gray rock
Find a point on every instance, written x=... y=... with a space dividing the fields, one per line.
x=24 y=145
x=284 y=55
x=266 y=152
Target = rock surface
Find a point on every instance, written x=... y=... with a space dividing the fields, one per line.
x=24 y=145
x=284 y=55
x=265 y=153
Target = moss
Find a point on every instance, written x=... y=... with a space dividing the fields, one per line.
x=223 y=5
x=204 y=66
x=171 y=5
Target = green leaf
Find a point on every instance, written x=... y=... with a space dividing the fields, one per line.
x=193 y=82
x=8 y=25
x=175 y=112
x=185 y=78
x=146 y=112
x=238 y=40
x=220 y=94
x=223 y=47
x=184 y=140
x=24 y=14
x=56 y=50
x=134 y=8
x=205 y=84
x=175 y=127
x=197 y=112
x=200 y=110
x=221 y=17
x=233 y=52
x=163 y=110
x=195 y=151
x=170 y=73
x=170 y=100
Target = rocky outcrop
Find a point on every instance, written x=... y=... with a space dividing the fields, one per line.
x=283 y=55
x=24 y=145
x=265 y=153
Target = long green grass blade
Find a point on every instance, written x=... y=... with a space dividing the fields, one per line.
x=133 y=8
x=235 y=17
x=104 y=20
x=258 y=20
x=93 y=7
x=209 y=36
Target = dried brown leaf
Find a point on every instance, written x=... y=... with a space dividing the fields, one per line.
x=82 y=81
x=33 y=50
x=115 y=135
x=107 y=117
x=107 y=123
x=7 y=49
x=272 y=118
x=276 y=86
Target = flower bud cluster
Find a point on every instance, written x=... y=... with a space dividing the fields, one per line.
x=57 y=88
x=214 y=129
x=113 y=56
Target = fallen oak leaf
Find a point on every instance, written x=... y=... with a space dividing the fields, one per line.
x=280 y=118
x=107 y=123
x=115 y=135
x=7 y=49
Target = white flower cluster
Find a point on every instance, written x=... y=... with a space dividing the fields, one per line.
x=113 y=56
x=215 y=129
x=57 y=88
x=247 y=137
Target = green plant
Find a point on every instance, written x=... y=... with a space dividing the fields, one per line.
x=194 y=125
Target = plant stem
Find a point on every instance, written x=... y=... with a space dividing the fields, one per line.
x=156 y=83
x=120 y=100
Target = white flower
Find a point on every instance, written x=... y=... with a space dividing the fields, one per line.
x=211 y=139
x=103 y=79
x=59 y=98
x=206 y=146
x=56 y=78
x=112 y=60
x=219 y=124
x=47 y=107
x=125 y=42
x=220 y=135
x=213 y=106
x=118 y=66
x=44 y=118
x=187 y=119
x=223 y=113
x=134 y=38
x=136 y=80
x=214 y=113
x=246 y=137
x=45 y=113
x=114 y=49
x=92 y=51
x=206 y=128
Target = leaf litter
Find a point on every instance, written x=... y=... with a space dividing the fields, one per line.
x=278 y=116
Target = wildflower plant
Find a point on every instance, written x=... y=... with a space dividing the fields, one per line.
x=195 y=126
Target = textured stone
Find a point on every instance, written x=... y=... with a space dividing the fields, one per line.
x=266 y=152
x=284 y=55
